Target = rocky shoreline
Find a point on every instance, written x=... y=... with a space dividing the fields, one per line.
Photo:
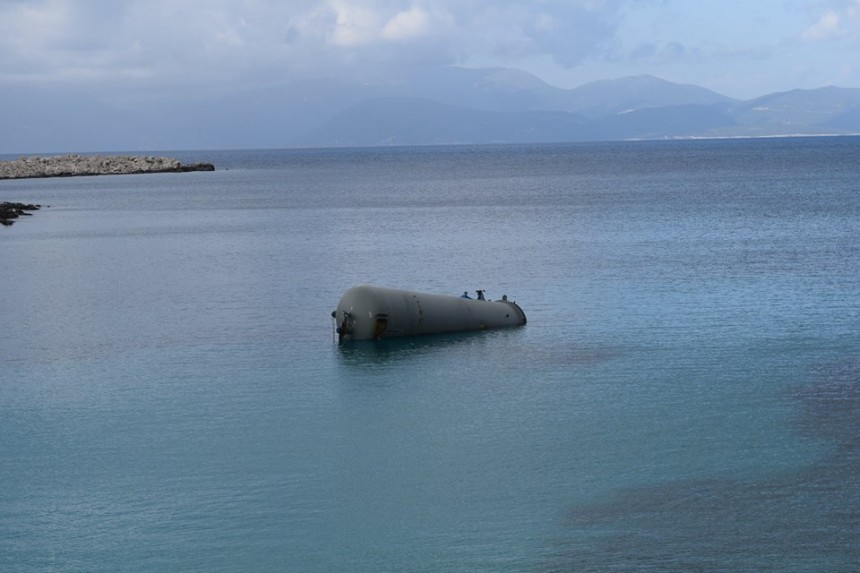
x=79 y=165
x=11 y=211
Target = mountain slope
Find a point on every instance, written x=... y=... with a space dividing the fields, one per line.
x=609 y=97
x=440 y=105
x=797 y=108
x=641 y=107
x=417 y=121
x=848 y=121
x=663 y=122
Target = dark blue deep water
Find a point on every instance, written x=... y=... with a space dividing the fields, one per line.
x=685 y=396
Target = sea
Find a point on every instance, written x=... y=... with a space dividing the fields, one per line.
x=684 y=398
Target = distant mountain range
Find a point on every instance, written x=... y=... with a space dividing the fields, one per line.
x=446 y=105
x=502 y=106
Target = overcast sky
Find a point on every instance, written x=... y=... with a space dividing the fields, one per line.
x=165 y=48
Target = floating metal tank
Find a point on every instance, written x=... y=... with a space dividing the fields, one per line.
x=370 y=312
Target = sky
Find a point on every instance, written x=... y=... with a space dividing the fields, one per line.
x=127 y=49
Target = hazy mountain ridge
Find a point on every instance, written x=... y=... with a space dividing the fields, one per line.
x=444 y=105
x=639 y=107
x=609 y=97
x=419 y=121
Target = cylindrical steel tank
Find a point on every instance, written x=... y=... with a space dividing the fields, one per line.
x=370 y=312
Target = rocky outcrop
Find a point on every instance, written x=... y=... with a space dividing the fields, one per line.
x=75 y=165
x=11 y=211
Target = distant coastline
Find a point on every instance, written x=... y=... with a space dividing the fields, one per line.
x=74 y=165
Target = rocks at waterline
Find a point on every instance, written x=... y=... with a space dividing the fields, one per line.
x=77 y=165
x=11 y=211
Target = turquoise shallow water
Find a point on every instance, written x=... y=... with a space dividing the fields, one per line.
x=683 y=398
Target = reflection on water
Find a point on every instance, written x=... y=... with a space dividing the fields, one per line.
x=376 y=354
x=788 y=521
x=830 y=404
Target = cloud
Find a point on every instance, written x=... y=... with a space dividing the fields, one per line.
x=123 y=52
x=568 y=32
x=841 y=21
x=413 y=23
x=153 y=43
x=200 y=48
x=354 y=24
x=658 y=52
x=828 y=25
x=36 y=37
